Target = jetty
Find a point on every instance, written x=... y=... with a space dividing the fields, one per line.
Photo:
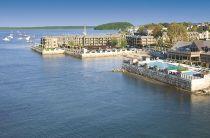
x=182 y=76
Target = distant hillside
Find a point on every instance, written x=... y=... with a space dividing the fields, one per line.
x=45 y=27
x=113 y=26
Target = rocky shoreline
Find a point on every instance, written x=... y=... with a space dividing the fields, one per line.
x=205 y=92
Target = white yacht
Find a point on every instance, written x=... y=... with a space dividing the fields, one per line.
x=7 y=39
x=10 y=36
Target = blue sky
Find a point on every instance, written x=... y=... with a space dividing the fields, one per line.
x=94 y=12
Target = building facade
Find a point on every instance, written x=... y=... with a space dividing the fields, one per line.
x=204 y=35
x=193 y=36
x=198 y=36
x=132 y=30
x=139 y=41
x=189 y=51
x=205 y=59
x=49 y=42
x=78 y=40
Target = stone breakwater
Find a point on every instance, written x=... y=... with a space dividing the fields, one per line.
x=192 y=85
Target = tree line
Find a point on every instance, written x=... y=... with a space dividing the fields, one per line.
x=114 y=26
x=175 y=31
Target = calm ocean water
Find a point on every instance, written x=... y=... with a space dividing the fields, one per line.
x=61 y=96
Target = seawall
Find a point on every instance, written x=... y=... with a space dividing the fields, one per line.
x=48 y=52
x=188 y=84
x=79 y=54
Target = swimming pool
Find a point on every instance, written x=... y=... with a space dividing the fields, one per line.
x=162 y=65
x=165 y=65
x=191 y=73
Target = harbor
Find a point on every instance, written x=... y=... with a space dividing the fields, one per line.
x=89 y=92
x=144 y=62
x=64 y=93
x=18 y=36
x=104 y=69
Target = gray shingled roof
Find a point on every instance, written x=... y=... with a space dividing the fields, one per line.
x=181 y=44
x=200 y=44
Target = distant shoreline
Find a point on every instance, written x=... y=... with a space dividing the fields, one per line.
x=45 y=27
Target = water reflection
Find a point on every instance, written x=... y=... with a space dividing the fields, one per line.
x=52 y=57
x=199 y=99
x=167 y=94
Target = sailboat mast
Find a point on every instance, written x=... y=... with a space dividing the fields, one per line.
x=85 y=31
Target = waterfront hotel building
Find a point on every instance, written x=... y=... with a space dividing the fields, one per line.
x=140 y=41
x=196 y=51
x=78 y=40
